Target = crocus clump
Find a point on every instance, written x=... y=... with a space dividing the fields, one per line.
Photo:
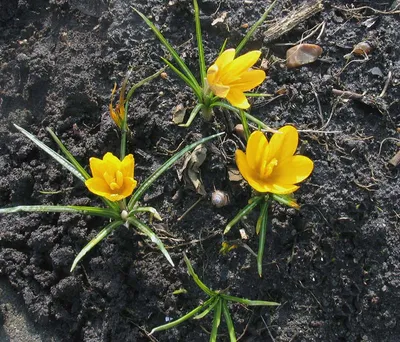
x=230 y=77
x=112 y=178
x=272 y=167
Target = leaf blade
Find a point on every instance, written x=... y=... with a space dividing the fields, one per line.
x=153 y=237
x=107 y=230
x=181 y=319
x=199 y=38
x=60 y=159
x=104 y=212
x=170 y=49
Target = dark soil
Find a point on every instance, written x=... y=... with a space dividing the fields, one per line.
x=333 y=266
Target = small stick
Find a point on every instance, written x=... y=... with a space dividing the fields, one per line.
x=395 y=160
x=347 y=94
x=191 y=207
x=389 y=78
x=295 y=17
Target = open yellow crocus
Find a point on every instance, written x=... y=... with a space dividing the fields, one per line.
x=230 y=77
x=112 y=178
x=272 y=166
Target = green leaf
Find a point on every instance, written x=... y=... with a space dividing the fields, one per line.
x=245 y=211
x=223 y=47
x=68 y=154
x=183 y=318
x=196 y=277
x=171 y=50
x=141 y=83
x=64 y=162
x=263 y=233
x=100 y=236
x=150 y=180
x=248 y=116
x=228 y=320
x=104 y=212
x=260 y=220
x=185 y=79
x=216 y=321
x=153 y=237
x=207 y=311
x=243 y=119
x=199 y=38
x=193 y=114
x=152 y=211
x=254 y=28
x=248 y=301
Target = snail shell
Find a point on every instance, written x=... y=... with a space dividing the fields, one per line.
x=219 y=198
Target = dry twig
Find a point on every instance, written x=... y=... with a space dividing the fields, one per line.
x=297 y=16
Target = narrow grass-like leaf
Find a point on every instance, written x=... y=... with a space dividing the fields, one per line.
x=100 y=236
x=68 y=154
x=243 y=119
x=248 y=301
x=196 y=278
x=95 y=211
x=153 y=237
x=257 y=95
x=263 y=234
x=199 y=38
x=170 y=49
x=141 y=83
x=207 y=311
x=246 y=210
x=260 y=220
x=193 y=114
x=197 y=91
x=223 y=46
x=228 y=320
x=254 y=28
x=183 y=318
x=77 y=165
x=64 y=162
x=153 y=212
x=248 y=116
x=216 y=321
x=150 y=180
x=124 y=126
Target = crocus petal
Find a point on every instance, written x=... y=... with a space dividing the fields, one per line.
x=129 y=186
x=249 y=80
x=283 y=144
x=113 y=197
x=283 y=189
x=98 y=186
x=225 y=58
x=212 y=74
x=220 y=90
x=242 y=164
x=237 y=99
x=256 y=145
x=233 y=70
x=293 y=170
x=110 y=158
x=96 y=167
x=128 y=165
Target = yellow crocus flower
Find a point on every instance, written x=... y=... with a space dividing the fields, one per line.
x=272 y=167
x=230 y=77
x=112 y=178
